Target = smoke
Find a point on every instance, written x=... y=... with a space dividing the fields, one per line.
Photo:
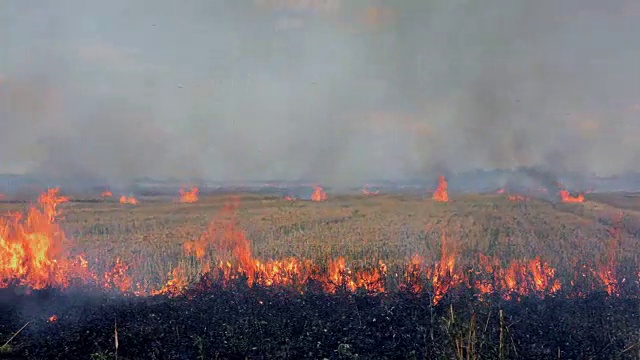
x=336 y=92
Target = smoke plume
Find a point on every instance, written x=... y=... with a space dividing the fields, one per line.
x=337 y=91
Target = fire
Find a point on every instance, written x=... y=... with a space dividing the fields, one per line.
x=50 y=201
x=289 y=198
x=517 y=197
x=606 y=270
x=233 y=259
x=318 y=194
x=443 y=275
x=128 y=200
x=33 y=254
x=441 y=193
x=519 y=278
x=117 y=277
x=177 y=283
x=190 y=196
x=53 y=318
x=32 y=248
x=567 y=198
x=106 y=194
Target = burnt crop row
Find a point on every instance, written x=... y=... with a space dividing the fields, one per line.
x=266 y=323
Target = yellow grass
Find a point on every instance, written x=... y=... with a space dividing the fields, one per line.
x=362 y=229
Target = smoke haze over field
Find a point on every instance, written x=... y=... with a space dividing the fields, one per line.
x=335 y=91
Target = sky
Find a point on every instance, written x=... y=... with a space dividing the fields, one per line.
x=334 y=91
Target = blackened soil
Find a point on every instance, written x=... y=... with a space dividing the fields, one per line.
x=263 y=323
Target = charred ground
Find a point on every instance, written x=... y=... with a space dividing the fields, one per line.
x=264 y=323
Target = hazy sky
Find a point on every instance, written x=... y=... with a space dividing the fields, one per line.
x=335 y=91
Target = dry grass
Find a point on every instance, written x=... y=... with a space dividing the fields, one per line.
x=364 y=230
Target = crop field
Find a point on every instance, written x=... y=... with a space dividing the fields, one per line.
x=494 y=276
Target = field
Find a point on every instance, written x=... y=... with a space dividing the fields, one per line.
x=385 y=276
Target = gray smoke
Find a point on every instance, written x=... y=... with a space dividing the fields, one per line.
x=339 y=93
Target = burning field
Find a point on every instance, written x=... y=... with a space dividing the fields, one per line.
x=372 y=275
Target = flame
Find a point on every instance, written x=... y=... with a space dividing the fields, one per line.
x=117 y=277
x=106 y=194
x=290 y=198
x=176 y=284
x=566 y=197
x=50 y=201
x=33 y=254
x=190 y=196
x=53 y=318
x=128 y=200
x=233 y=259
x=519 y=278
x=441 y=193
x=318 y=194
x=606 y=271
x=517 y=197
x=443 y=275
x=32 y=248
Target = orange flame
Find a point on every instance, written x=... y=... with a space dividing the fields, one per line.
x=234 y=259
x=32 y=249
x=441 y=193
x=117 y=277
x=53 y=318
x=519 y=278
x=517 y=197
x=190 y=196
x=106 y=194
x=318 y=194
x=567 y=198
x=128 y=200
x=289 y=198
x=606 y=271
x=32 y=254
x=50 y=201
x=443 y=276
